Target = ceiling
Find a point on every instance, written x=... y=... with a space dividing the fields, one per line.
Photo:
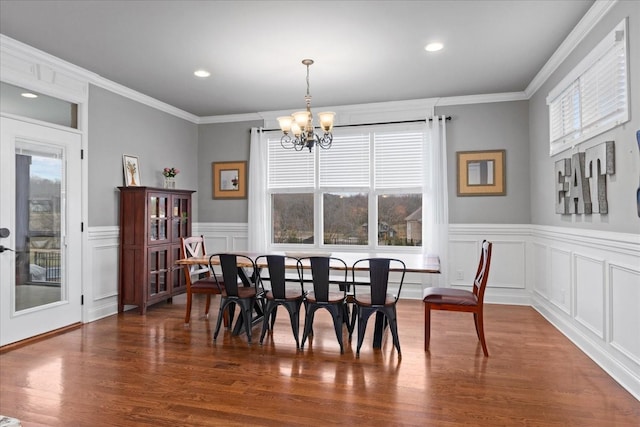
x=364 y=51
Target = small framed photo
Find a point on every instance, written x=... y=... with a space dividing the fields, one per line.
x=481 y=173
x=131 y=171
x=229 y=180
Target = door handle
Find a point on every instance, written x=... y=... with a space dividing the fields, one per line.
x=2 y=249
x=4 y=232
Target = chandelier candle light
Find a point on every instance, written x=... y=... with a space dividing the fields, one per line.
x=300 y=124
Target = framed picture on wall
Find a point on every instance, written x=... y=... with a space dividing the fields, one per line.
x=481 y=173
x=229 y=180
x=131 y=171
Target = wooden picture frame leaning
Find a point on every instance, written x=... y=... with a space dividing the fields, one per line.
x=481 y=173
x=131 y=171
x=229 y=180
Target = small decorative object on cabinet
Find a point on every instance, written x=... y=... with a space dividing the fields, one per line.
x=152 y=220
x=170 y=177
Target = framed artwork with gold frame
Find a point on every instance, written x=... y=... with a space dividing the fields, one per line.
x=481 y=173
x=229 y=180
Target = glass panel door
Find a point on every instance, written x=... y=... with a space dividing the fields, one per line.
x=41 y=211
x=39 y=260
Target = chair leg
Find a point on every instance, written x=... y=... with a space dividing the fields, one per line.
x=352 y=325
x=246 y=306
x=273 y=316
x=363 y=318
x=223 y=304
x=308 y=323
x=393 y=325
x=337 y=314
x=206 y=306
x=187 y=317
x=427 y=325
x=294 y=316
x=265 y=320
x=480 y=331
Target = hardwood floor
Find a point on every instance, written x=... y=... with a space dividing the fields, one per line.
x=133 y=370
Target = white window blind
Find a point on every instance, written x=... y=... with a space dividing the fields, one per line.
x=289 y=168
x=603 y=88
x=398 y=159
x=347 y=162
x=593 y=97
x=565 y=114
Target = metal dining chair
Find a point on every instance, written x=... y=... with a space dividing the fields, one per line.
x=327 y=294
x=376 y=299
x=236 y=289
x=281 y=294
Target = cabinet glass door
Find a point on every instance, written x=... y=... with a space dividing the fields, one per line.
x=181 y=218
x=158 y=271
x=159 y=213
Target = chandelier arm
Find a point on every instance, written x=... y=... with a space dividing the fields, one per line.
x=286 y=142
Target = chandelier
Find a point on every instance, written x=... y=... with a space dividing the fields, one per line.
x=300 y=124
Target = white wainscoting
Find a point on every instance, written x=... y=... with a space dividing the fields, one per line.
x=100 y=273
x=586 y=283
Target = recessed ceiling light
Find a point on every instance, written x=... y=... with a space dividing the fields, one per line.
x=433 y=47
x=201 y=73
x=29 y=95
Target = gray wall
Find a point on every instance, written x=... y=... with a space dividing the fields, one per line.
x=622 y=186
x=495 y=126
x=117 y=126
x=474 y=127
x=223 y=142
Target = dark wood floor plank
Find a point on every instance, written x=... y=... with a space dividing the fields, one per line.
x=132 y=370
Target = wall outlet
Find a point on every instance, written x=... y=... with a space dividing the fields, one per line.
x=459 y=275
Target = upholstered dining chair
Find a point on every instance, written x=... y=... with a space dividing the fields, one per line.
x=236 y=289
x=197 y=277
x=376 y=297
x=281 y=294
x=329 y=294
x=461 y=300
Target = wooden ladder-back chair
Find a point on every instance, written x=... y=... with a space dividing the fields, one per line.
x=194 y=247
x=461 y=300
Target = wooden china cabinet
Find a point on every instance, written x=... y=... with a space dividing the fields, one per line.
x=152 y=220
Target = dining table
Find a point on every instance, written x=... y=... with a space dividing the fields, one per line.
x=414 y=262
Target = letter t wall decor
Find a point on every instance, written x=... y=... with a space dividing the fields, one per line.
x=581 y=185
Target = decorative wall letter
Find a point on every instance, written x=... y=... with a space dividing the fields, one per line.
x=580 y=198
x=599 y=162
x=563 y=171
x=581 y=185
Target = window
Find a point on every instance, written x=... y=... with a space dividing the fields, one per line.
x=371 y=175
x=593 y=97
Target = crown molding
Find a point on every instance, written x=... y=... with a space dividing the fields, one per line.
x=482 y=99
x=599 y=9
x=35 y=56
x=228 y=118
x=142 y=98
